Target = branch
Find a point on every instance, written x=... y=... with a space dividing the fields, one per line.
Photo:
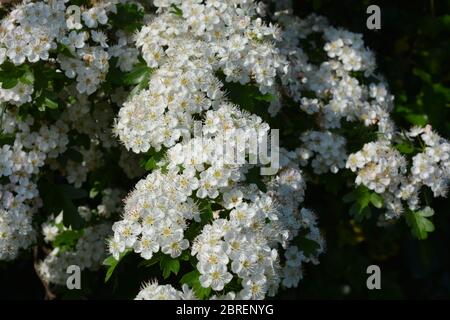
x=49 y=295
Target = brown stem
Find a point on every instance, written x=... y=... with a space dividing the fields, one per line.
x=49 y=295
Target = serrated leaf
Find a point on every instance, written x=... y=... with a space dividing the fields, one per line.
x=153 y=159
x=112 y=263
x=420 y=225
x=169 y=265
x=192 y=279
x=151 y=164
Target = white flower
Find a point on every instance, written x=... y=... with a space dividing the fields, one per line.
x=216 y=278
x=50 y=232
x=294 y=257
x=254 y=288
x=146 y=246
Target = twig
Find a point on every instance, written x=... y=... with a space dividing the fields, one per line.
x=49 y=295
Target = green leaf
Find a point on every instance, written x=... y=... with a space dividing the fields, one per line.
x=9 y=83
x=143 y=84
x=405 y=148
x=67 y=239
x=95 y=190
x=192 y=279
x=417 y=119
x=204 y=206
x=185 y=256
x=149 y=263
x=362 y=197
x=154 y=158
x=65 y=51
x=51 y=104
x=169 y=265
x=112 y=263
x=151 y=164
x=419 y=223
x=423 y=75
x=266 y=97
x=10 y=74
x=427 y=212
x=7 y=139
x=376 y=200
x=28 y=77
x=175 y=10
x=140 y=73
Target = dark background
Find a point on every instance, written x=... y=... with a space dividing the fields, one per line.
x=413 y=51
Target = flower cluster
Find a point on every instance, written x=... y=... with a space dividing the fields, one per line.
x=337 y=81
x=33 y=36
x=19 y=163
x=88 y=253
x=246 y=235
x=332 y=78
x=89 y=250
x=110 y=203
x=171 y=211
x=325 y=149
x=380 y=167
x=154 y=291
x=32 y=31
x=189 y=55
